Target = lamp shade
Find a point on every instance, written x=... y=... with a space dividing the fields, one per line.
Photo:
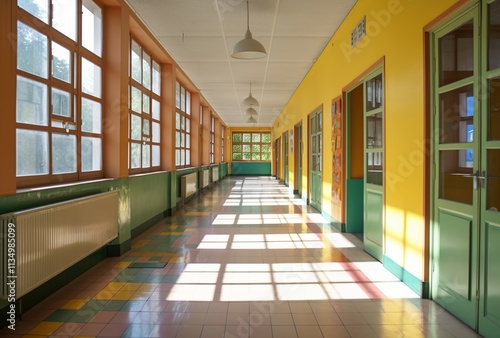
x=251 y=119
x=250 y=101
x=248 y=48
x=251 y=111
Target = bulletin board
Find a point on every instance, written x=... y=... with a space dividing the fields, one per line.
x=337 y=159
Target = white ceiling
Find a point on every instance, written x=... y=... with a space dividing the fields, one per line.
x=200 y=35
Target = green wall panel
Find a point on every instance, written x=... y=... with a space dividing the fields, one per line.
x=251 y=168
x=148 y=197
x=354 y=205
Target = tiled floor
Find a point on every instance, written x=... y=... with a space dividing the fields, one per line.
x=243 y=259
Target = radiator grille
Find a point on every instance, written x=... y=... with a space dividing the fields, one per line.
x=52 y=238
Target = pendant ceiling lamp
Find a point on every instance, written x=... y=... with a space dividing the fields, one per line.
x=250 y=100
x=251 y=111
x=248 y=48
x=251 y=119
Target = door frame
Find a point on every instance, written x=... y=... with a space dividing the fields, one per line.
x=309 y=155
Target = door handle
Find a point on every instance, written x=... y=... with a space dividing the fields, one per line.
x=478 y=181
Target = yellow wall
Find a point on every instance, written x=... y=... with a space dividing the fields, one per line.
x=394 y=33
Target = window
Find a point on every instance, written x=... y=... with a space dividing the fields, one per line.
x=212 y=140
x=182 y=126
x=144 y=111
x=58 y=105
x=251 y=147
x=222 y=143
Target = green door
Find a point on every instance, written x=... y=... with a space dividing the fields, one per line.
x=489 y=218
x=315 y=159
x=466 y=162
x=298 y=159
x=285 y=158
x=374 y=164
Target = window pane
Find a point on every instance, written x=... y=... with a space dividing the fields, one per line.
x=32 y=51
x=188 y=125
x=266 y=148
x=156 y=132
x=155 y=156
x=266 y=138
x=61 y=63
x=255 y=137
x=456 y=181
x=246 y=138
x=145 y=103
x=494 y=109
x=92 y=27
x=136 y=127
x=91 y=78
x=146 y=71
x=183 y=158
x=457 y=115
x=91 y=116
x=63 y=153
x=183 y=99
x=374 y=95
x=31 y=103
x=177 y=95
x=255 y=156
x=188 y=157
x=91 y=153
x=177 y=121
x=246 y=148
x=61 y=103
x=177 y=157
x=146 y=156
x=374 y=168
x=236 y=137
x=136 y=96
x=374 y=125
x=156 y=110
x=136 y=66
x=177 y=139
x=135 y=155
x=246 y=156
x=493 y=180
x=188 y=103
x=237 y=157
x=236 y=148
x=37 y=8
x=32 y=150
x=64 y=17
x=266 y=157
x=145 y=127
x=456 y=54
x=156 y=78
x=188 y=141
x=255 y=148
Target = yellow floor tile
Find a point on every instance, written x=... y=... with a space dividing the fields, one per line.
x=122 y=264
x=45 y=328
x=74 y=304
x=105 y=295
x=141 y=295
x=147 y=287
x=131 y=286
x=122 y=295
x=114 y=286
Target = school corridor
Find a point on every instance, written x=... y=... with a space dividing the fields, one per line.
x=244 y=258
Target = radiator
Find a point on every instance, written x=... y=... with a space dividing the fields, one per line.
x=188 y=184
x=215 y=174
x=205 y=178
x=52 y=238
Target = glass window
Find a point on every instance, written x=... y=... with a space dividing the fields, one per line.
x=251 y=147
x=144 y=112
x=58 y=140
x=182 y=126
